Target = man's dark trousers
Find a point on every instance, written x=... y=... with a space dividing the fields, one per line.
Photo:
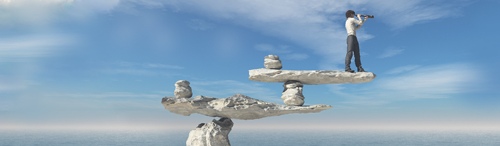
x=352 y=46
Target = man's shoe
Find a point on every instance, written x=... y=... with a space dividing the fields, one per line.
x=349 y=70
x=360 y=69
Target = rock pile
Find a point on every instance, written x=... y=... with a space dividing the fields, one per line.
x=272 y=62
x=214 y=133
x=292 y=94
x=243 y=107
x=182 y=89
x=294 y=80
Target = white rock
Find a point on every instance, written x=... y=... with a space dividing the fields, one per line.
x=310 y=77
x=214 y=133
x=237 y=106
x=182 y=89
x=272 y=62
x=292 y=94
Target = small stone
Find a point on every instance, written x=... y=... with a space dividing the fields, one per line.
x=272 y=62
x=214 y=133
x=182 y=89
x=292 y=94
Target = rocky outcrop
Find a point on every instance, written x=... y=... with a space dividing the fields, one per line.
x=313 y=77
x=182 y=89
x=237 y=106
x=272 y=62
x=214 y=133
x=292 y=94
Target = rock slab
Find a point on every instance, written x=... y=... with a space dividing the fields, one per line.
x=310 y=77
x=214 y=133
x=237 y=106
x=292 y=94
x=182 y=89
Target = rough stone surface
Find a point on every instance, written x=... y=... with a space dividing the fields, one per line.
x=182 y=89
x=310 y=77
x=237 y=106
x=292 y=94
x=272 y=62
x=214 y=133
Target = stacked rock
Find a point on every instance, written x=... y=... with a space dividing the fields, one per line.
x=182 y=89
x=292 y=94
x=214 y=133
x=272 y=62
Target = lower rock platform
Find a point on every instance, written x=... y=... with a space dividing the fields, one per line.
x=237 y=106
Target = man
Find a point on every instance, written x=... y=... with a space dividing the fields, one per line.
x=352 y=41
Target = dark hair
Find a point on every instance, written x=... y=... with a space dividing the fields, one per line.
x=349 y=13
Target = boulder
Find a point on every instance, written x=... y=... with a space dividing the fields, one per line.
x=214 y=133
x=272 y=62
x=310 y=77
x=182 y=89
x=292 y=94
x=237 y=106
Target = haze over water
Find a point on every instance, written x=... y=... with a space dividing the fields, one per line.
x=344 y=137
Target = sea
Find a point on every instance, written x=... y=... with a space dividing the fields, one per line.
x=253 y=137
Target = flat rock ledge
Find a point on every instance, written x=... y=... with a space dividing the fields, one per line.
x=237 y=106
x=310 y=77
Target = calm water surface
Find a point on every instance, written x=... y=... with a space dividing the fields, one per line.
x=253 y=137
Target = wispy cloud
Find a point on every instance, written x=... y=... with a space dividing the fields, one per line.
x=402 y=69
x=113 y=95
x=389 y=52
x=296 y=56
x=441 y=81
x=147 y=65
x=287 y=53
x=199 y=24
x=316 y=25
x=24 y=48
x=272 y=49
x=140 y=69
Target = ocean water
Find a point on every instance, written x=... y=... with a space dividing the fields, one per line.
x=237 y=137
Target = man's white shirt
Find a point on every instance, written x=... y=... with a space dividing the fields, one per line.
x=350 y=26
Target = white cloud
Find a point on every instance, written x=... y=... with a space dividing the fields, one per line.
x=146 y=65
x=272 y=49
x=402 y=69
x=113 y=95
x=23 y=48
x=199 y=24
x=42 y=13
x=296 y=56
x=442 y=81
x=390 y=52
x=316 y=24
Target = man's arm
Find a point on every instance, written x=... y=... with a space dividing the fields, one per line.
x=359 y=22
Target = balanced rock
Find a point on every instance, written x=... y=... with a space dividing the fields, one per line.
x=237 y=106
x=272 y=62
x=214 y=133
x=292 y=94
x=310 y=77
x=182 y=89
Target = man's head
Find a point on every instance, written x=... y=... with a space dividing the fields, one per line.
x=349 y=13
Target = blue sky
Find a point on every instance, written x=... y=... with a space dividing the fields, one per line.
x=108 y=63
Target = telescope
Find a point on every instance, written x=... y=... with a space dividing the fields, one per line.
x=369 y=16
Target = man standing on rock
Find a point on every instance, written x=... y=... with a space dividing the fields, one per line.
x=352 y=41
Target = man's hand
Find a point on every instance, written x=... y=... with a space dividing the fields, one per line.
x=359 y=16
